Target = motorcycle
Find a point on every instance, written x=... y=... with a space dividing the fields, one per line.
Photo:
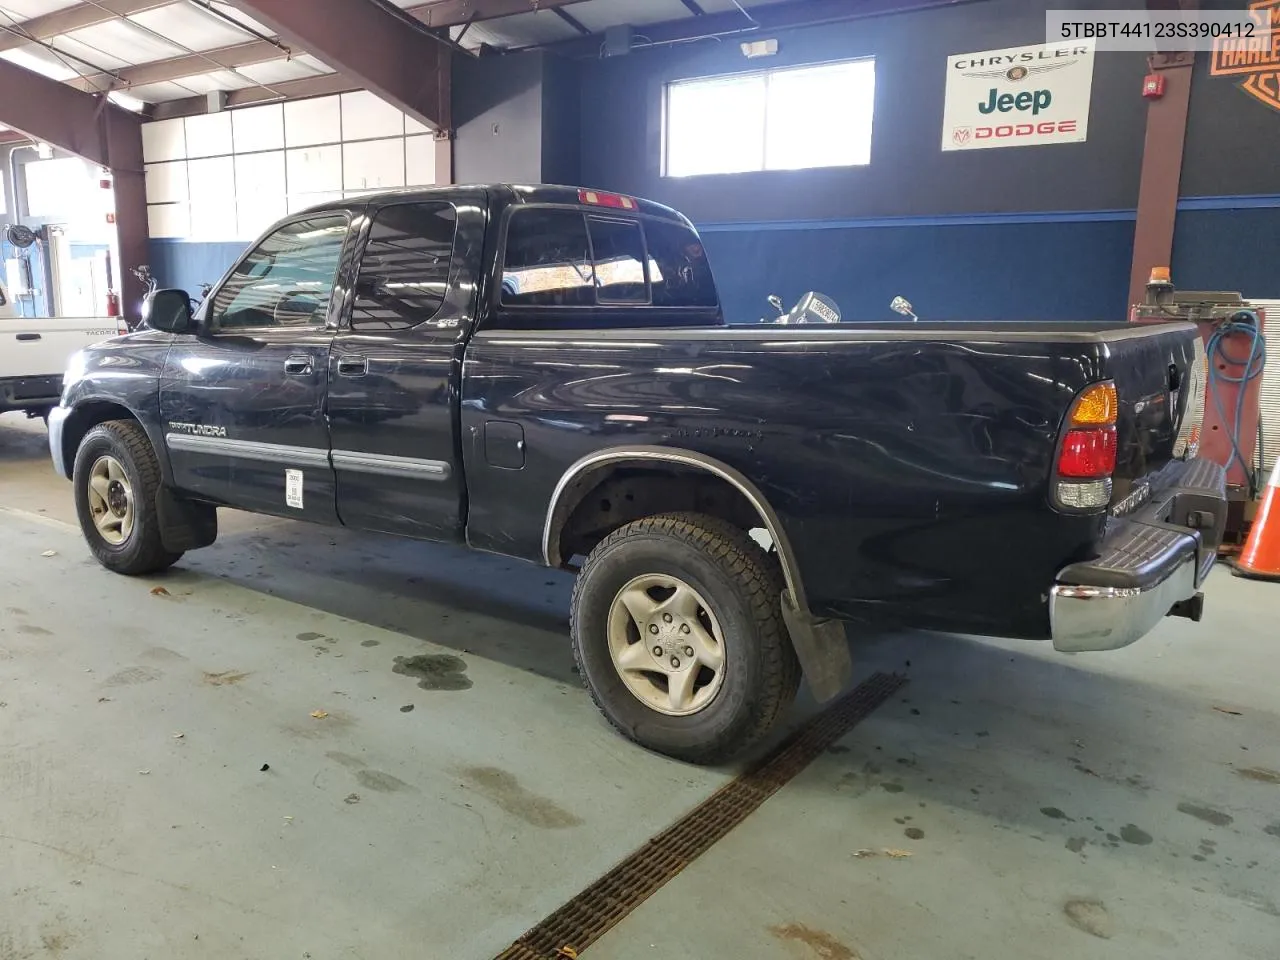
x=150 y=284
x=811 y=308
x=818 y=308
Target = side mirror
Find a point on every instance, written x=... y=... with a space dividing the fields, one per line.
x=167 y=310
x=775 y=301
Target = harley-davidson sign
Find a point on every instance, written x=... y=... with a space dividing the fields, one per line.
x=1256 y=60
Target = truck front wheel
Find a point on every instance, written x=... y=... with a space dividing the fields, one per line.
x=116 y=479
x=678 y=634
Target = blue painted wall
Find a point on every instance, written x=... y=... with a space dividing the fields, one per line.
x=185 y=265
x=1231 y=247
x=915 y=221
x=950 y=269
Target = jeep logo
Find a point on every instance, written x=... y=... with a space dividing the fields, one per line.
x=1006 y=102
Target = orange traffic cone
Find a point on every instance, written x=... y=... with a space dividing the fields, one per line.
x=1261 y=557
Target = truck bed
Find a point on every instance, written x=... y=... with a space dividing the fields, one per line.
x=895 y=452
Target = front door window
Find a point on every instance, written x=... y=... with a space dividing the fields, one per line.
x=286 y=281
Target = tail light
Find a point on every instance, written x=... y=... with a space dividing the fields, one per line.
x=1087 y=455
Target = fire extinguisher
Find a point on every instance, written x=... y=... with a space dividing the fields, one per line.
x=113 y=310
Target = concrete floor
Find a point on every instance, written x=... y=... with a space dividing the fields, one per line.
x=1108 y=806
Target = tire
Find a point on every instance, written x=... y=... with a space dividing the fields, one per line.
x=119 y=452
x=737 y=588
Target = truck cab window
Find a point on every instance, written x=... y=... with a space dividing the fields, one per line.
x=404 y=273
x=548 y=260
x=286 y=281
x=678 y=269
x=618 y=249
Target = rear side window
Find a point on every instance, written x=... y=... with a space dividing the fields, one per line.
x=548 y=260
x=569 y=258
x=678 y=267
x=618 y=250
x=404 y=273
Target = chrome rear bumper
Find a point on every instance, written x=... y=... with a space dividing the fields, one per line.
x=1087 y=618
x=1150 y=562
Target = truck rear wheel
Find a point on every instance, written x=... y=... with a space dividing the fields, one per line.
x=677 y=632
x=116 y=479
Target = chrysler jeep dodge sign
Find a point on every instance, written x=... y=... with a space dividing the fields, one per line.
x=1018 y=97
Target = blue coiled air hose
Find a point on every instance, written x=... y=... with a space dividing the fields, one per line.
x=1245 y=323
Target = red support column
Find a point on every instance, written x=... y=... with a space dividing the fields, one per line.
x=93 y=128
x=1161 y=170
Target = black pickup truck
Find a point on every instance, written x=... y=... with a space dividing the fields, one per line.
x=545 y=373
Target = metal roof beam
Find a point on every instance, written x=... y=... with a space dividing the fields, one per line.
x=250 y=96
x=762 y=20
x=440 y=14
x=82 y=123
x=188 y=65
x=453 y=13
x=74 y=18
x=370 y=41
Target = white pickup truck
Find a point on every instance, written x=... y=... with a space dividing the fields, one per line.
x=34 y=352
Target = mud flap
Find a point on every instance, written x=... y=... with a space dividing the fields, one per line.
x=185 y=524
x=821 y=647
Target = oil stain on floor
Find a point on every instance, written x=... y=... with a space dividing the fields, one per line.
x=224 y=679
x=440 y=671
x=1135 y=835
x=1091 y=916
x=821 y=944
x=381 y=782
x=1207 y=814
x=1260 y=774
x=506 y=792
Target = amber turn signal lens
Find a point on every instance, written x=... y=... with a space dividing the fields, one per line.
x=1097 y=406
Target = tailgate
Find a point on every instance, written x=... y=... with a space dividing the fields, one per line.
x=41 y=346
x=1160 y=376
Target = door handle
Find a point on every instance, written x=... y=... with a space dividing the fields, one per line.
x=353 y=366
x=28 y=336
x=298 y=366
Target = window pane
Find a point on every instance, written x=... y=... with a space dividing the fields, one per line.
x=821 y=116
x=405 y=270
x=678 y=268
x=287 y=280
x=715 y=126
x=548 y=260
x=619 y=260
x=61 y=188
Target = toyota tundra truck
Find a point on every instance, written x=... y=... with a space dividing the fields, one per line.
x=546 y=373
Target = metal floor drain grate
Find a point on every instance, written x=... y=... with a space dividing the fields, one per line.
x=582 y=921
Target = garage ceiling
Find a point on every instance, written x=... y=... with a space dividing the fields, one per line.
x=146 y=52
